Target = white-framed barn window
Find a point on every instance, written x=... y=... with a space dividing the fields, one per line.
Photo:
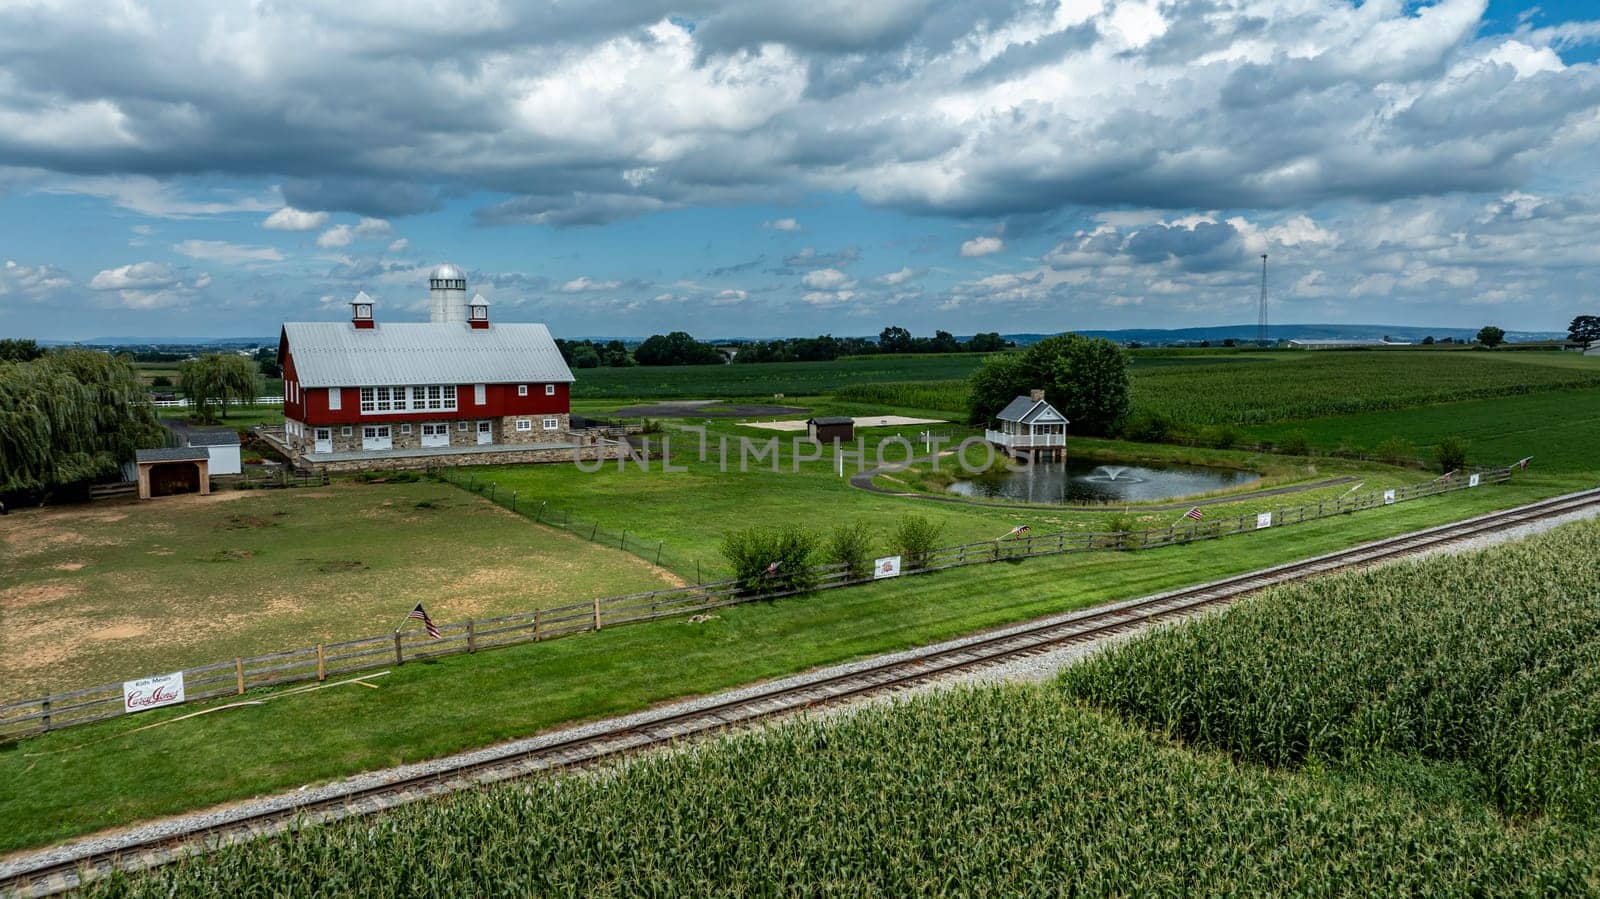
x=549 y=390
x=385 y=404
x=405 y=429
x=524 y=424
x=461 y=425
x=480 y=394
x=369 y=400
x=435 y=397
x=450 y=397
x=347 y=431
x=335 y=398
x=522 y=390
x=551 y=424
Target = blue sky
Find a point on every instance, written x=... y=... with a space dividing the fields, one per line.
x=765 y=168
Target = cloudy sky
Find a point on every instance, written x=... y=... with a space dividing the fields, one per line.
x=754 y=168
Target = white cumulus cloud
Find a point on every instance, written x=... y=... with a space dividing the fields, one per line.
x=982 y=246
x=291 y=219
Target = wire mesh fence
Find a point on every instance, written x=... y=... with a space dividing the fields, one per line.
x=653 y=550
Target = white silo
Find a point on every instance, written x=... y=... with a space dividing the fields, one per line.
x=447 y=287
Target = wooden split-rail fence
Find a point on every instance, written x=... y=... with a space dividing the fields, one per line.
x=324 y=660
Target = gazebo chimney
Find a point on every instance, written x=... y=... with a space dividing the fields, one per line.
x=1036 y=394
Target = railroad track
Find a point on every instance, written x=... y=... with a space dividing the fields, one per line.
x=51 y=872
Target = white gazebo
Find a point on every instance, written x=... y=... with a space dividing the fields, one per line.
x=1030 y=426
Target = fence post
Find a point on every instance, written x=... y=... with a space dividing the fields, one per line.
x=238 y=673
x=597 y=613
x=537 y=613
x=593 y=531
x=472 y=637
x=624 y=543
x=45 y=707
x=398 y=658
x=322 y=664
x=493 y=487
x=513 y=501
x=659 y=546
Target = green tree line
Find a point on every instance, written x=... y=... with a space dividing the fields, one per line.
x=70 y=416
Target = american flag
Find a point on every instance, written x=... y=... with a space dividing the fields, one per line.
x=1194 y=513
x=421 y=615
x=1524 y=463
x=1017 y=531
x=772 y=570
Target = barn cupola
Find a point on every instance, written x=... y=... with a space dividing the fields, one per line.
x=447 y=290
x=361 y=311
x=478 y=312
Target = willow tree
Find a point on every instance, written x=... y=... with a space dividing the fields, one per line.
x=69 y=417
x=215 y=380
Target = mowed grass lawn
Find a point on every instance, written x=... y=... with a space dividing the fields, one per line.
x=691 y=511
x=92 y=594
x=87 y=778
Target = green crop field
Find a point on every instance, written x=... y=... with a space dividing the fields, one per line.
x=998 y=792
x=767 y=378
x=1559 y=428
x=1490 y=661
x=110 y=592
x=1252 y=387
x=1289 y=386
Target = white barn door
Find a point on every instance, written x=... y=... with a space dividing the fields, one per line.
x=376 y=437
x=485 y=433
x=436 y=434
x=324 y=442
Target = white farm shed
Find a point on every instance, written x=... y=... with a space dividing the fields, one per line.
x=222 y=446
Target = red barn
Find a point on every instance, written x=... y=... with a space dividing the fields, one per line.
x=457 y=390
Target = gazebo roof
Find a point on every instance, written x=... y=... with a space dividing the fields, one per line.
x=1026 y=410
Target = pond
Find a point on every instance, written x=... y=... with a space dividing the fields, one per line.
x=1088 y=481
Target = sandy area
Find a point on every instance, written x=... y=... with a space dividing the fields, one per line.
x=865 y=421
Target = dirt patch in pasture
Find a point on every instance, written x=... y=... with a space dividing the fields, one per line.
x=120 y=632
x=25 y=595
x=69 y=566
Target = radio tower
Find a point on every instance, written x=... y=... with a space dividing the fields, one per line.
x=1261 y=319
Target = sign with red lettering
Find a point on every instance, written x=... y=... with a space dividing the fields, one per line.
x=886 y=567
x=152 y=692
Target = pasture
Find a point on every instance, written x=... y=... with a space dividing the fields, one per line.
x=113 y=591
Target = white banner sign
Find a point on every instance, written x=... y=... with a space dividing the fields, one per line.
x=888 y=566
x=1472 y=481
x=1388 y=497
x=1263 y=520
x=152 y=692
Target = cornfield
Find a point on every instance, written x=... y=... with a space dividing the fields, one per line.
x=1318 y=384
x=1001 y=791
x=1489 y=660
x=1248 y=390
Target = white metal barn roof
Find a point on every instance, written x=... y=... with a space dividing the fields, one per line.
x=333 y=354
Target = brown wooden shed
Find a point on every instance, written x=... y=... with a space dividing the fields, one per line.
x=829 y=428
x=164 y=472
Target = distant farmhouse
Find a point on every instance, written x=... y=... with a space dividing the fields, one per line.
x=458 y=390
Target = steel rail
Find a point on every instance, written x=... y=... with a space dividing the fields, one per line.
x=894 y=674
